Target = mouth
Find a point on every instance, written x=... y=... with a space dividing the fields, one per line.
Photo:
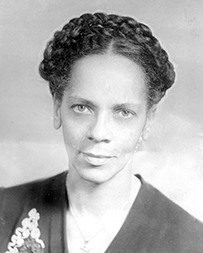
x=96 y=160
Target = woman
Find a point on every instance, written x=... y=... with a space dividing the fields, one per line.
x=106 y=74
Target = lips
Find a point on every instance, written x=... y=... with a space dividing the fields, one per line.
x=96 y=156
x=96 y=160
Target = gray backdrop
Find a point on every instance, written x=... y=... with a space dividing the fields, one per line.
x=29 y=146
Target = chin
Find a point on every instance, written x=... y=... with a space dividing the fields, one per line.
x=96 y=176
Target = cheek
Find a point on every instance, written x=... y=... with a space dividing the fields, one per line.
x=74 y=134
x=128 y=141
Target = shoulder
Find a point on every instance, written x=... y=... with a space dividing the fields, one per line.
x=20 y=203
x=40 y=192
x=38 y=184
x=45 y=196
x=175 y=225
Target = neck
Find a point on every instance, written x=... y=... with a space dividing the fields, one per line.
x=89 y=198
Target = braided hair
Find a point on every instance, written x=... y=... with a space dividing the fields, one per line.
x=92 y=34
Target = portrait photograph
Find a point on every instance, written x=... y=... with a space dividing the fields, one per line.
x=101 y=126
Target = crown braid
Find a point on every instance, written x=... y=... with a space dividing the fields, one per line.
x=93 y=34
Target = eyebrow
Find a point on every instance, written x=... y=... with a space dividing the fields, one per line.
x=115 y=106
x=133 y=106
x=137 y=105
x=83 y=101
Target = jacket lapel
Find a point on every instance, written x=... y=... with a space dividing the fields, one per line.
x=33 y=216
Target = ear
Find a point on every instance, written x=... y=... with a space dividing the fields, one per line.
x=150 y=118
x=57 y=114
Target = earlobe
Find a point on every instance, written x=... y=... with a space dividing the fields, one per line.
x=145 y=134
x=57 y=114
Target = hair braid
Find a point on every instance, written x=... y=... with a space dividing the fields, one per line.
x=93 y=34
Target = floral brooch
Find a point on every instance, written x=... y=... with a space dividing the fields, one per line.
x=26 y=238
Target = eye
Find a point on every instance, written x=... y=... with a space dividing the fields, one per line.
x=126 y=114
x=81 y=109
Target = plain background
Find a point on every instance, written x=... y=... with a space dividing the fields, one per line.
x=30 y=148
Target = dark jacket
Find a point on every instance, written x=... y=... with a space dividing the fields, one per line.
x=154 y=224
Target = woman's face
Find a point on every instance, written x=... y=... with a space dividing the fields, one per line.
x=103 y=115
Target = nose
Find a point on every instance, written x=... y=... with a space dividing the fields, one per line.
x=100 y=130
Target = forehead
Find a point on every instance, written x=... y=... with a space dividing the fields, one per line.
x=112 y=76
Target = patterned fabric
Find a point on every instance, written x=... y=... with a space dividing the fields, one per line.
x=27 y=238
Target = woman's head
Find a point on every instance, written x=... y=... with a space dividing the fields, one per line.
x=98 y=34
x=102 y=120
